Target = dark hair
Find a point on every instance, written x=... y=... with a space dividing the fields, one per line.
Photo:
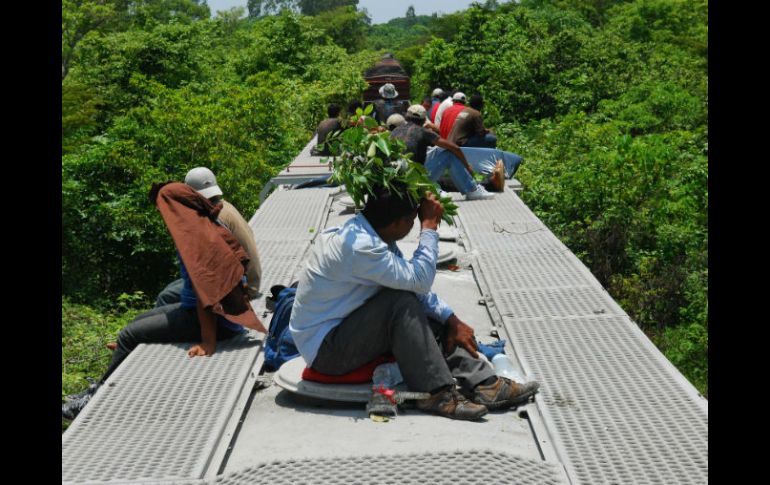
x=384 y=207
x=427 y=99
x=476 y=102
x=353 y=106
x=417 y=120
x=333 y=110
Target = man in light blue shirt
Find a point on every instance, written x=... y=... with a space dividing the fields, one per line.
x=358 y=298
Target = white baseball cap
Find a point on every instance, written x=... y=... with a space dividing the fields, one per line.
x=416 y=111
x=458 y=96
x=204 y=181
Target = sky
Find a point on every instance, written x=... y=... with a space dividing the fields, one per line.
x=379 y=10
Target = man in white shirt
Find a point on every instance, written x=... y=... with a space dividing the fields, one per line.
x=358 y=298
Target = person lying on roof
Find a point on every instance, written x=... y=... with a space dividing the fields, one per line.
x=214 y=304
x=358 y=298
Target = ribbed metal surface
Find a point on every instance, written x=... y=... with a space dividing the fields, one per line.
x=159 y=416
x=503 y=207
x=514 y=243
x=619 y=412
x=461 y=467
x=555 y=302
x=279 y=261
x=614 y=404
x=531 y=269
x=290 y=215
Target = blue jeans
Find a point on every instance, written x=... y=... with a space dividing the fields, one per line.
x=482 y=160
x=437 y=160
x=172 y=293
x=487 y=141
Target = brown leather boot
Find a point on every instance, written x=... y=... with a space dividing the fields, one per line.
x=451 y=404
x=498 y=177
x=504 y=393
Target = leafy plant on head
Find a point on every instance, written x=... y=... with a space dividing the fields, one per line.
x=365 y=156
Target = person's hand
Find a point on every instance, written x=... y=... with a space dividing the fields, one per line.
x=201 y=349
x=459 y=333
x=430 y=212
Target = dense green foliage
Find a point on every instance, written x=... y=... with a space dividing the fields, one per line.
x=608 y=104
x=143 y=106
x=606 y=100
x=260 y=8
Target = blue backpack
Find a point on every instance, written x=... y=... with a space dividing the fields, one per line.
x=279 y=344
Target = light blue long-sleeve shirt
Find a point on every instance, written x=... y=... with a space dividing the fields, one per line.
x=347 y=266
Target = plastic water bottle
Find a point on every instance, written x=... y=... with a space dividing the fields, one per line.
x=504 y=368
x=387 y=375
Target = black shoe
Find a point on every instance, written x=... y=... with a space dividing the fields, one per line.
x=76 y=402
x=88 y=391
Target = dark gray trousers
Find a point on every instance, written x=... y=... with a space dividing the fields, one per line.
x=172 y=293
x=165 y=324
x=395 y=321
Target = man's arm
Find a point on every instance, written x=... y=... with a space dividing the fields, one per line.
x=452 y=147
x=208 y=325
x=435 y=307
x=429 y=125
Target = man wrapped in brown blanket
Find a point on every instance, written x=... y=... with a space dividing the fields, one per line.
x=215 y=304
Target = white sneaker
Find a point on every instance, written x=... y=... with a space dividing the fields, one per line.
x=479 y=194
x=443 y=194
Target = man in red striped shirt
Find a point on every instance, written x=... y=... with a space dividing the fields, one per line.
x=450 y=114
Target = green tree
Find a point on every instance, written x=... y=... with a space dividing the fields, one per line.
x=410 y=15
x=79 y=18
x=346 y=26
x=315 y=7
x=149 y=13
x=261 y=8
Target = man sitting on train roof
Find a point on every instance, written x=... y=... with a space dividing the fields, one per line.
x=388 y=105
x=418 y=138
x=203 y=180
x=394 y=121
x=437 y=96
x=442 y=107
x=326 y=127
x=214 y=304
x=468 y=129
x=359 y=298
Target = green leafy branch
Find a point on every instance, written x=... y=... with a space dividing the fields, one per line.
x=365 y=156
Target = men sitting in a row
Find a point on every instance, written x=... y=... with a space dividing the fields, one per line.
x=418 y=138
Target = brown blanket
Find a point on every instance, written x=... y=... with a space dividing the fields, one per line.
x=214 y=259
